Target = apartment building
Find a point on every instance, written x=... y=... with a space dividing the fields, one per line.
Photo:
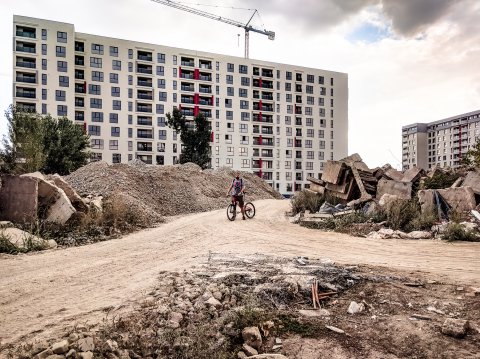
x=279 y=121
x=441 y=143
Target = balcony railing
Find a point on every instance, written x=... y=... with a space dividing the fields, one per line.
x=187 y=100
x=144 y=122
x=206 y=66
x=27 y=64
x=188 y=63
x=144 y=96
x=188 y=88
x=144 y=135
x=186 y=76
x=27 y=79
x=26 y=49
x=187 y=112
x=144 y=109
x=205 y=102
x=30 y=34
x=144 y=70
x=205 y=90
x=205 y=78
x=25 y=94
x=144 y=83
x=144 y=57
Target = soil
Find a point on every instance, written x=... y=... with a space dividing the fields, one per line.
x=43 y=293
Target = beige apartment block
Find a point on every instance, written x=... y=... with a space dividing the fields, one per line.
x=441 y=143
x=282 y=122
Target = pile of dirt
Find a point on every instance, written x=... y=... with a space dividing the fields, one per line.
x=165 y=190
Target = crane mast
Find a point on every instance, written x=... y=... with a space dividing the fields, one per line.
x=247 y=27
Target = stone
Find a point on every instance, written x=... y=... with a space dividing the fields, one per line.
x=355 y=307
x=456 y=328
x=312 y=313
x=60 y=347
x=110 y=345
x=59 y=209
x=96 y=203
x=176 y=317
x=472 y=179
x=19 y=199
x=269 y=356
x=277 y=347
x=73 y=196
x=39 y=346
x=212 y=302
x=71 y=353
x=85 y=355
x=386 y=199
x=401 y=189
x=55 y=356
x=460 y=199
x=335 y=329
x=85 y=344
x=44 y=354
x=6 y=224
x=217 y=295
x=36 y=175
x=252 y=336
x=419 y=235
x=22 y=239
x=386 y=233
x=241 y=355
x=278 y=341
x=73 y=337
x=248 y=350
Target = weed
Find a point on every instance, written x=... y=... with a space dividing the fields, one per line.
x=458 y=232
x=440 y=180
x=6 y=246
x=292 y=325
x=401 y=213
x=306 y=200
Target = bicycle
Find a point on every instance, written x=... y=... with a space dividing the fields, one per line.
x=248 y=207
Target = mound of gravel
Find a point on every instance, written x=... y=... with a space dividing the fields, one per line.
x=165 y=190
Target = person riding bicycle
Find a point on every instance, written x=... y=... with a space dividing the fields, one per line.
x=236 y=190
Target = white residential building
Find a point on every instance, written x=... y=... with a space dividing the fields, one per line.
x=440 y=143
x=280 y=121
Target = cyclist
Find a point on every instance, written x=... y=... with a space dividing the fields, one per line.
x=236 y=190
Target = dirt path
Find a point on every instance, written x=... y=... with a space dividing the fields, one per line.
x=39 y=293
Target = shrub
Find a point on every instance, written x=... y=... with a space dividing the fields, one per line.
x=440 y=180
x=306 y=200
x=458 y=232
x=401 y=213
x=424 y=221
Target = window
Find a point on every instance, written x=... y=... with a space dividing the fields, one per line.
x=162 y=134
x=321 y=80
x=175 y=72
x=244 y=128
x=288 y=97
x=94 y=130
x=288 y=75
x=161 y=83
x=161 y=58
x=115 y=131
x=97 y=116
x=116 y=65
x=61 y=110
x=244 y=105
x=242 y=92
x=61 y=66
x=61 y=36
x=288 y=86
x=96 y=62
x=245 y=116
x=44 y=49
x=160 y=109
x=161 y=121
x=114 y=51
x=97 y=144
x=44 y=64
x=228 y=103
x=95 y=103
x=59 y=95
x=160 y=71
x=174 y=59
x=162 y=96
x=63 y=81
x=230 y=127
x=243 y=69
x=97 y=76
x=229 y=79
x=97 y=49
x=113 y=118
x=44 y=34
x=245 y=81
x=113 y=78
x=61 y=51
x=309 y=89
x=94 y=89
x=310 y=79
x=117 y=105
x=130 y=53
x=230 y=91
x=229 y=115
x=230 y=67
x=115 y=91
x=44 y=94
x=310 y=132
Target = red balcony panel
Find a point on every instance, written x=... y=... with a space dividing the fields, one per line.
x=195 y=111
x=211 y=137
x=196 y=74
x=260 y=140
x=196 y=98
x=179 y=71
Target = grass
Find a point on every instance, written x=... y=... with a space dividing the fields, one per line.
x=29 y=244
x=458 y=232
x=306 y=200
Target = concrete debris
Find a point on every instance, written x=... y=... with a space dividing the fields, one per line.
x=252 y=337
x=335 y=329
x=22 y=239
x=18 y=196
x=456 y=328
x=472 y=179
x=355 y=307
x=397 y=188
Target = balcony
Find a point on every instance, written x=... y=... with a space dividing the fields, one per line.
x=187 y=61
x=205 y=113
x=205 y=101
x=79 y=75
x=267 y=176
x=26 y=62
x=267 y=131
x=26 y=107
x=205 y=77
x=80 y=88
x=267 y=97
x=144 y=147
x=144 y=121
x=144 y=69
x=187 y=75
x=187 y=99
x=26 y=47
x=256 y=71
x=144 y=95
x=298 y=88
x=79 y=60
x=205 y=89
x=267 y=73
x=26 y=32
x=79 y=102
x=26 y=77
x=256 y=164
x=25 y=93
x=145 y=82
x=187 y=112
x=205 y=64
x=79 y=116
x=298 y=77
x=144 y=108
x=187 y=87
x=263 y=118
x=144 y=56
x=144 y=133
x=79 y=46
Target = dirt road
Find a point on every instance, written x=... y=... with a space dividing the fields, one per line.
x=42 y=292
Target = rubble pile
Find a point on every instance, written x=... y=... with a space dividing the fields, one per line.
x=350 y=183
x=165 y=190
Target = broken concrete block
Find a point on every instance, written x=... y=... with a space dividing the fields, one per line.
x=472 y=180
x=461 y=198
x=36 y=175
x=332 y=172
x=22 y=239
x=456 y=328
x=412 y=174
x=74 y=198
x=427 y=200
x=18 y=199
x=394 y=175
x=387 y=199
x=54 y=203
x=401 y=189
x=419 y=235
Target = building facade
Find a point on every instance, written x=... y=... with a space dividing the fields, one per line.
x=441 y=143
x=282 y=122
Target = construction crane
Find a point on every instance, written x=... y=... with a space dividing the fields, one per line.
x=247 y=27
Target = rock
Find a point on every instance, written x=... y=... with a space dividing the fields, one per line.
x=22 y=239
x=312 y=313
x=60 y=347
x=39 y=346
x=74 y=198
x=96 y=203
x=59 y=209
x=456 y=328
x=36 y=175
x=419 y=235
x=420 y=317
x=252 y=336
x=73 y=337
x=217 y=295
x=6 y=224
x=355 y=307
x=278 y=341
x=176 y=317
x=241 y=355
x=110 y=345
x=295 y=219
x=212 y=302
x=44 y=354
x=335 y=329
x=55 y=356
x=386 y=233
x=277 y=347
x=85 y=344
x=269 y=356
x=85 y=355
x=248 y=350
x=71 y=353
x=435 y=310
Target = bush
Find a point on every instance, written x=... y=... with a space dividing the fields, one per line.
x=440 y=180
x=401 y=213
x=306 y=200
x=458 y=232
x=6 y=246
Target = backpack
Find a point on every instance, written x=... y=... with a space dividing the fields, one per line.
x=237 y=186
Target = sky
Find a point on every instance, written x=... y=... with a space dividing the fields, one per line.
x=407 y=60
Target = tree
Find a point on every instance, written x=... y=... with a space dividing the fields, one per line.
x=472 y=156
x=195 y=137
x=42 y=143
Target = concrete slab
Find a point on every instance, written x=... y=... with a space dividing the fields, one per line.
x=73 y=196
x=392 y=187
x=412 y=174
x=332 y=172
x=54 y=203
x=459 y=198
x=394 y=175
x=472 y=180
x=18 y=199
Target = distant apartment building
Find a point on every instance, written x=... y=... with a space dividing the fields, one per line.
x=282 y=122
x=441 y=143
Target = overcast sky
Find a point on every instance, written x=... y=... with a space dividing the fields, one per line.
x=407 y=60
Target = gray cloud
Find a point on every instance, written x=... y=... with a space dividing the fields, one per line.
x=408 y=17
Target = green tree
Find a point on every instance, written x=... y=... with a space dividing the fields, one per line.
x=23 y=147
x=195 y=136
x=42 y=143
x=472 y=156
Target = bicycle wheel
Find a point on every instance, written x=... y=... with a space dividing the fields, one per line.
x=231 y=212
x=249 y=209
